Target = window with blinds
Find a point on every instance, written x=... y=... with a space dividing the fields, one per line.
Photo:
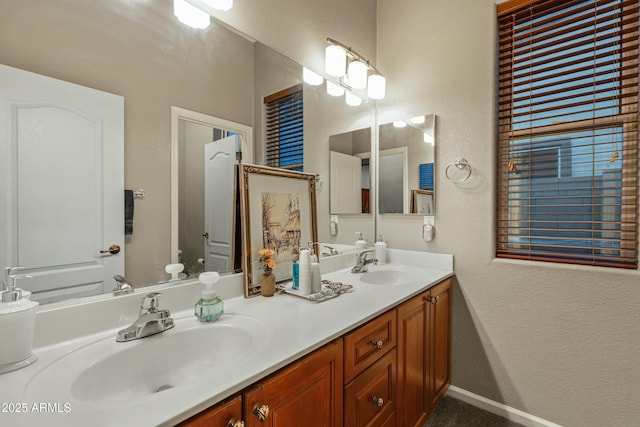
x=284 y=129
x=567 y=131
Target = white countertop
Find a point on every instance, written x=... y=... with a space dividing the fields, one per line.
x=296 y=327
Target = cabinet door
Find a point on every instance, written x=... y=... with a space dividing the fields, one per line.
x=413 y=361
x=306 y=393
x=221 y=415
x=440 y=341
x=370 y=399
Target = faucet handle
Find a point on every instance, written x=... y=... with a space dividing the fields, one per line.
x=150 y=302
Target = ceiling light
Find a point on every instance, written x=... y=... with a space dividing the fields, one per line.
x=220 y=4
x=377 y=86
x=352 y=100
x=357 y=74
x=334 y=90
x=399 y=124
x=418 y=120
x=190 y=15
x=311 y=78
x=335 y=60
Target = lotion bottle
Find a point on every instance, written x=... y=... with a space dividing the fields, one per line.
x=360 y=242
x=381 y=250
x=209 y=308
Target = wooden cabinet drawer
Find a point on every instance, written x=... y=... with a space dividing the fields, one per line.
x=368 y=343
x=218 y=416
x=370 y=399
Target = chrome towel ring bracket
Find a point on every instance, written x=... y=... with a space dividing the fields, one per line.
x=458 y=171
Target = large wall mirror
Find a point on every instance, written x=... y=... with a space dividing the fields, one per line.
x=406 y=158
x=141 y=52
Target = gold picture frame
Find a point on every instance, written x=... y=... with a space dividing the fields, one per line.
x=278 y=211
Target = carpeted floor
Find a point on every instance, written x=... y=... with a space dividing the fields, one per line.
x=456 y=413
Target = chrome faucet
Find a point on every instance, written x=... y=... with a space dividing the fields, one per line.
x=332 y=251
x=122 y=286
x=362 y=261
x=152 y=320
x=10 y=292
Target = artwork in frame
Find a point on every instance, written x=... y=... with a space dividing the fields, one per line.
x=422 y=202
x=278 y=211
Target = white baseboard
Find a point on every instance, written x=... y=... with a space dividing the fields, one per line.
x=500 y=409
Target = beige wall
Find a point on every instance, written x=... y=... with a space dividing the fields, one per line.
x=140 y=51
x=559 y=342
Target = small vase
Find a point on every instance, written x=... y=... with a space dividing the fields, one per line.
x=267 y=284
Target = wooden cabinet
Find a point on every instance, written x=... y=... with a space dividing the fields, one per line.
x=369 y=400
x=391 y=371
x=308 y=392
x=424 y=353
x=370 y=373
x=440 y=341
x=222 y=415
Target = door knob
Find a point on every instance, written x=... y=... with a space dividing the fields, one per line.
x=261 y=412
x=113 y=249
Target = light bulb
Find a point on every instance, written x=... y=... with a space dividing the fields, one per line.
x=335 y=60
x=190 y=15
x=352 y=100
x=376 y=88
x=334 y=90
x=311 y=78
x=399 y=124
x=357 y=74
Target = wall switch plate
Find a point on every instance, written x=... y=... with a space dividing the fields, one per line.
x=430 y=219
x=333 y=225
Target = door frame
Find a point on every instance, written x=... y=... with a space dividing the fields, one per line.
x=177 y=114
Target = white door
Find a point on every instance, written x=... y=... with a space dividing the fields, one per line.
x=345 y=179
x=219 y=203
x=61 y=186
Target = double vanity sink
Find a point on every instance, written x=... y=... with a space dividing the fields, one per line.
x=167 y=377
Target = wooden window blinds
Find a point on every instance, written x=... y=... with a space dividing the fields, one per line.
x=567 y=131
x=284 y=129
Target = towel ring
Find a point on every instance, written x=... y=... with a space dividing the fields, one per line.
x=461 y=165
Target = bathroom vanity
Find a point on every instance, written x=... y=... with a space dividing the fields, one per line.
x=379 y=355
x=394 y=369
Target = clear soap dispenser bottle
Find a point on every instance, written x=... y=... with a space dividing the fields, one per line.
x=209 y=308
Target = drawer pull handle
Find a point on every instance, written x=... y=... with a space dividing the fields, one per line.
x=261 y=412
x=377 y=344
x=433 y=300
x=378 y=401
x=235 y=423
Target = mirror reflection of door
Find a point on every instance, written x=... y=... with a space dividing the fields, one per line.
x=219 y=191
x=392 y=180
x=61 y=191
x=206 y=197
x=345 y=179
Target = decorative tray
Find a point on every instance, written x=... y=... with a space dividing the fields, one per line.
x=329 y=290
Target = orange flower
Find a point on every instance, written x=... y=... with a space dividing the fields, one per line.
x=265 y=262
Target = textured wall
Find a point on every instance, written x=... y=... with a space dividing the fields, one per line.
x=559 y=342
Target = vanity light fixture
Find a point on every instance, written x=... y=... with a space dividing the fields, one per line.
x=311 y=78
x=334 y=90
x=352 y=100
x=190 y=15
x=418 y=120
x=356 y=75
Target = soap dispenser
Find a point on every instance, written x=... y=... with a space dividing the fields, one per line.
x=17 y=323
x=360 y=242
x=381 y=250
x=209 y=308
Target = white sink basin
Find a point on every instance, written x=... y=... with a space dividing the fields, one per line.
x=394 y=274
x=109 y=372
